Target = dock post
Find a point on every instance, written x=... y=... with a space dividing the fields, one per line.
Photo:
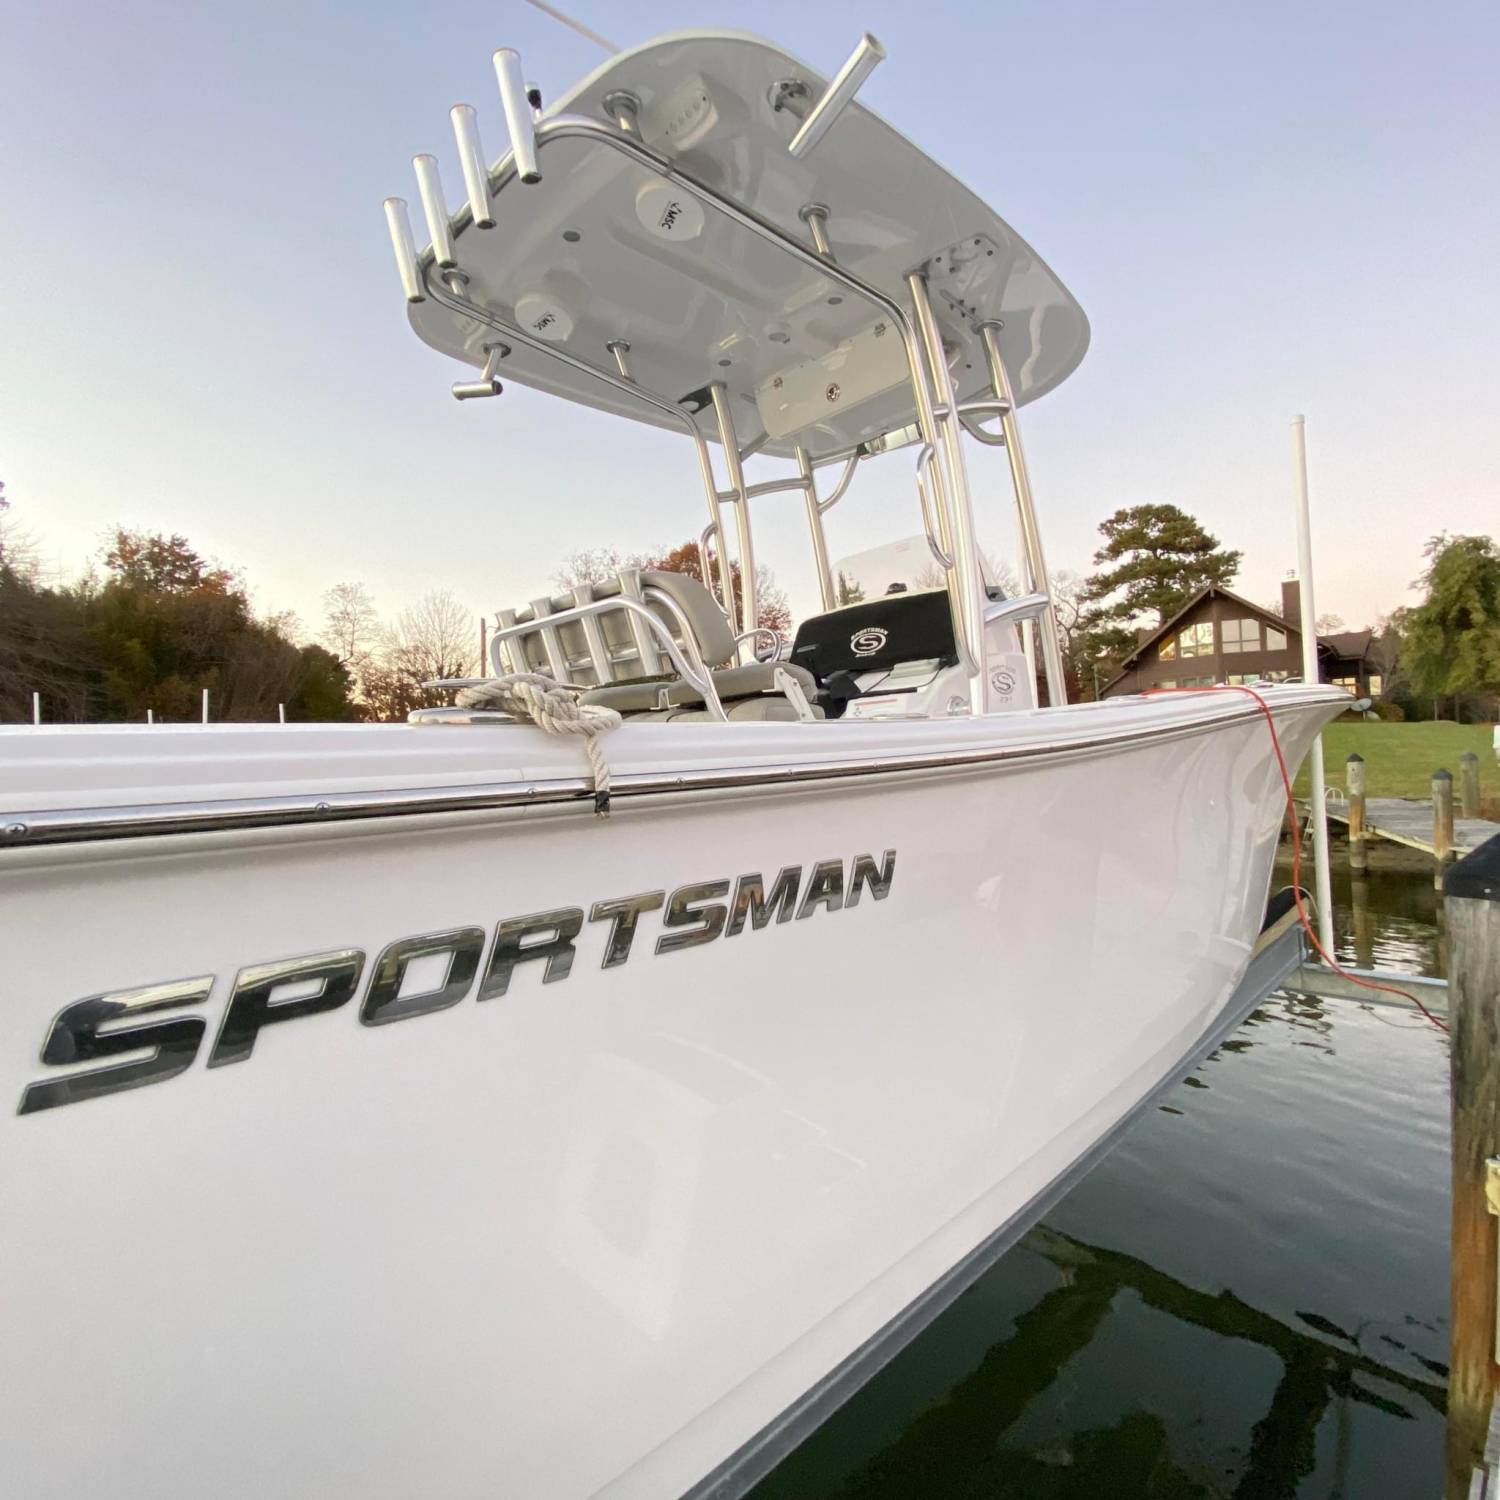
x=1472 y=909
x=1354 y=773
x=1442 y=821
x=1468 y=784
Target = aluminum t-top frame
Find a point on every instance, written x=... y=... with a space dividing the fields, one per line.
x=939 y=415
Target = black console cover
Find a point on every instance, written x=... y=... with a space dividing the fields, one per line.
x=877 y=635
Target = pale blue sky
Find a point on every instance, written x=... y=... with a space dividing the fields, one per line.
x=1264 y=209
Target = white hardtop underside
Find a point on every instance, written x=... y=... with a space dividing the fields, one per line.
x=727 y=304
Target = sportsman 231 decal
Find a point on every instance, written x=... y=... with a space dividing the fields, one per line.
x=104 y=1026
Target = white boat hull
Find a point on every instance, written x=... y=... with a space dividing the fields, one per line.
x=592 y=1236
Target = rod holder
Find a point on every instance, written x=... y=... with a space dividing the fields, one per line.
x=471 y=158
x=406 y=250
x=519 y=119
x=837 y=96
x=488 y=383
x=435 y=208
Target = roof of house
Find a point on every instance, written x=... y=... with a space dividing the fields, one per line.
x=1348 y=644
x=1149 y=637
x=1353 y=644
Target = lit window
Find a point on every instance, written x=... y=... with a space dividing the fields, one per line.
x=1275 y=639
x=1168 y=650
x=1240 y=678
x=1169 y=682
x=1197 y=640
x=1349 y=684
x=1375 y=681
x=1241 y=635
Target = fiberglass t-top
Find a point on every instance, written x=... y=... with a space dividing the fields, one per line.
x=705 y=235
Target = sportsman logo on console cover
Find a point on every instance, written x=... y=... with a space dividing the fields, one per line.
x=833 y=392
x=868 y=642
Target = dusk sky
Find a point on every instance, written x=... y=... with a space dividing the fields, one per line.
x=1263 y=209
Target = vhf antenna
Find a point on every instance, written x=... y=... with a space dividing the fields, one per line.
x=572 y=25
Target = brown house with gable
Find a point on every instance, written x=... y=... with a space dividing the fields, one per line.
x=1219 y=637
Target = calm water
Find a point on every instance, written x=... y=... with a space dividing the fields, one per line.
x=1247 y=1299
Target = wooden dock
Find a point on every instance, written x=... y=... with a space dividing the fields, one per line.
x=1405 y=820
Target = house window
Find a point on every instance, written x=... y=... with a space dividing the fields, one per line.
x=1240 y=635
x=1167 y=682
x=1197 y=640
x=1375 y=681
x=1276 y=676
x=1239 y=679
x=1195 y=682
x=1275 y=639
x=1349 y=684
x=1168 y=650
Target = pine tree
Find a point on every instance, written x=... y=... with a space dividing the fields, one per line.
x=1154 y=559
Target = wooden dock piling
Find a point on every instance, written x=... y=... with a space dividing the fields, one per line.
x=1442 y=822
x=1472 y=906
x=1354 y=774
x=1468 y=784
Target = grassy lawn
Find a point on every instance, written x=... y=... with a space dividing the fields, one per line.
x=1400 y=758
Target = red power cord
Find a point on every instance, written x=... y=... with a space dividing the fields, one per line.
x=1291 y=808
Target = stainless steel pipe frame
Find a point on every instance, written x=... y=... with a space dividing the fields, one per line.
x=967 y=595
x=839 y=94
x=749 y=603
x=965 y=578
x=1031 y=535
x=688 y=661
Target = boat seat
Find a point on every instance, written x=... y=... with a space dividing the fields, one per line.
x=730 y=683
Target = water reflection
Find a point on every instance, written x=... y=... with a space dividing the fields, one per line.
x=1388 y=918
x=1247 y=1299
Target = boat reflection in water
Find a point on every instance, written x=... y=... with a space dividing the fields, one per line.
x=1247 y=1298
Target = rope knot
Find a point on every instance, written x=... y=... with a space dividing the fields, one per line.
x=554 y=707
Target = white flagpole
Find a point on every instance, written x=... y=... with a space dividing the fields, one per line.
x=1309 y=628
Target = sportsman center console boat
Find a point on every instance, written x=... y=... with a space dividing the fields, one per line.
x=381 y=1120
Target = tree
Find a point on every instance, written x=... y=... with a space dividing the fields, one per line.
x=437 y=637
x=1154 y=559
x=596 y=564
x=593 y=565
x=846 y=590
x=1450 y=643
x=1330 y=624
x=164 y=565
x=351 y=629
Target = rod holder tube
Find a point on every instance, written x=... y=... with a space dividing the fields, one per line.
x=435 y=207
x=471 y=159
x=519 y=119
x=406 y=250
x=1031 y=534
x=837 y=96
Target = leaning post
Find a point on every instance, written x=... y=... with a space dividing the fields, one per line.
x=1468 y=784
x=1472 y=908
x=1442 y=821
x=1354 y=774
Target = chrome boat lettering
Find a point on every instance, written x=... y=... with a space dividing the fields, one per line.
x=100 y=1026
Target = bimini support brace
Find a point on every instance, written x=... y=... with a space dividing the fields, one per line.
x=966 y=586
x=1031 y=535
x=749 y=604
